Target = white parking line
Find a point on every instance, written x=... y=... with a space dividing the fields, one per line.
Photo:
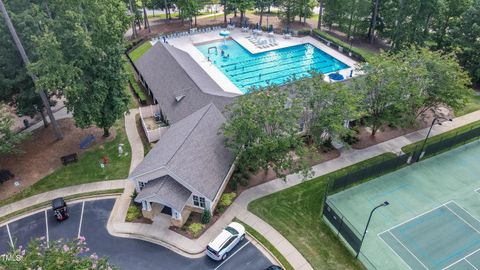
x=81 y=219
x=46 y=226
x=220 y=265
x=10 y=236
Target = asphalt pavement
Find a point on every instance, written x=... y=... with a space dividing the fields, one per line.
x=89 y=219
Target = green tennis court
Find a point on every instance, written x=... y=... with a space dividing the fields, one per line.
x=432 y=219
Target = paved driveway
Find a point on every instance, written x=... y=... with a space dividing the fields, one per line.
x=90 y=218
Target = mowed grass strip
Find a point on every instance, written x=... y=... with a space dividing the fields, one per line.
x=139 y=51
x=87 y=169
x=296 y=213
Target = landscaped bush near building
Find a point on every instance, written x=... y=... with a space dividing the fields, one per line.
x=134 y=212
x=195 y=228
x=225 y=201
x=206 y=216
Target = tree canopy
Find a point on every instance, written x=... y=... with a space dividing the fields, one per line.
x=263 y=131
x=9 y=140
x=76 y=50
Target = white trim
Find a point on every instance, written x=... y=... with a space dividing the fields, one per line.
x=10 y=236
x=461 y=259
x=81 y=220
x=46 y=228
x=394 y=252
x=471 y=264
x=398 y=240
x=220 y=265
x=462 y=219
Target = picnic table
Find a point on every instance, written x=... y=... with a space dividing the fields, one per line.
x=69 y=159
x=5 y=175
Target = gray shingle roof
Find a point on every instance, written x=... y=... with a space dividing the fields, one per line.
x=165 y=190
x=170 y=73
x=192 y=150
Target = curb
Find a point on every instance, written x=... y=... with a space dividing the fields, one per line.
x=46 y=205
x=264 y=250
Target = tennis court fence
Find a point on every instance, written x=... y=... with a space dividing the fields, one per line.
x=341 y=182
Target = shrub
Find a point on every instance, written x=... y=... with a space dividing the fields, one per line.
x=304 y=32
x=206 y=216
x=195 y=229
x=227 y=199
x=233 y=183
x=133 y=213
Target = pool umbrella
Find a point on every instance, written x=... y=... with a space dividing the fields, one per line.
x=271 y=28
x=245 y=23
x=256 y=26
x=224 y=34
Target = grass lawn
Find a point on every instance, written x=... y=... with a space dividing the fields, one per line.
x=139 y=51
x=296 y=213
x=472 y=105
x=433 y=139
x=87 y=169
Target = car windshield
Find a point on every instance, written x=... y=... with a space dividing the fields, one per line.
x=231 y=230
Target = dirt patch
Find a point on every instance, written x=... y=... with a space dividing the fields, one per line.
x=41 y=154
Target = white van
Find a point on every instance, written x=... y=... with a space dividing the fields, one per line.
x=229 y=237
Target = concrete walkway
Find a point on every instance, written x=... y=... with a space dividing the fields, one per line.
x=158 y=232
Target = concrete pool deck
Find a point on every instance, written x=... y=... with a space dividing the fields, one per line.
x=188 y=43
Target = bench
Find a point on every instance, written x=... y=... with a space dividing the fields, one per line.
x=69 y=159
x=5 y=175
x=87 y=141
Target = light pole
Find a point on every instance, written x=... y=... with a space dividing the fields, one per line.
x=385 y=203
x=436 y=119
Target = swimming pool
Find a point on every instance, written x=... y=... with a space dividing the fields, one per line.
x=247 y=70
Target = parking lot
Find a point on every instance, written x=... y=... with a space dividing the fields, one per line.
x=89 y=219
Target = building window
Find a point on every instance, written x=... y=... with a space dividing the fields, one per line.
x=199 y=201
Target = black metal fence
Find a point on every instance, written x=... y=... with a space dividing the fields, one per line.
x=446 y=143
x=341 y=182
x=360 y=175
x=342 y=225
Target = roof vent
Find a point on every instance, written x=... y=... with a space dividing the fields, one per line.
x=178 y=98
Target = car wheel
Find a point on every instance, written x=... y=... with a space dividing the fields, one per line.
x=224 y=256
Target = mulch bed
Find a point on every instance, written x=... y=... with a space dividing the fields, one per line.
x=195 y=218
x=387 y=133
x=41 y=154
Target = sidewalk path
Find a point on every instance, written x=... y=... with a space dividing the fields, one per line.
x=61 y=192
x=159 y=232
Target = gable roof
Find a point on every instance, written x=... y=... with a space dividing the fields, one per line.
x=171 y=73
x=192 y=152
x=165 y=190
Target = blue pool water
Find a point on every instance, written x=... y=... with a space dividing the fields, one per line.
x=248 y=70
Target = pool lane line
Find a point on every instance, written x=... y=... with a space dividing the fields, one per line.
x=81 y=220
x=46 y=227
x=10 y=236
x=233 y=254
